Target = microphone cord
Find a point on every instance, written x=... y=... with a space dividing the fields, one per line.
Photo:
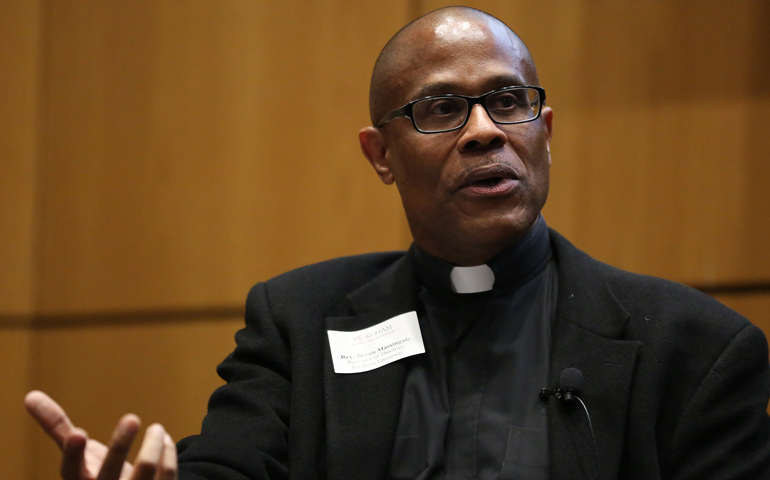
x=593 y=438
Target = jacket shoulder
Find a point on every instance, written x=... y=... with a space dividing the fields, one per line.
x=352 y=269
x=327 y=282
x=645 y=296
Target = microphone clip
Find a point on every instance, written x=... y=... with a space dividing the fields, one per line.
x=570 y=381
x=565 y=394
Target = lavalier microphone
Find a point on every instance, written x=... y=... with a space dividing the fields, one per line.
x=568 y=390
x=570 y=383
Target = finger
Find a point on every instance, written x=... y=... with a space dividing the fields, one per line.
x=168 y=470
x=72 y=464
x=122 y=438
x=49 y=415
x=150 y=454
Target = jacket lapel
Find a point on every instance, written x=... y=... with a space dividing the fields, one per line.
x=587 y=335
x=362 y=409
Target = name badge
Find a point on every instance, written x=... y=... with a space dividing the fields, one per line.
x=376 y=346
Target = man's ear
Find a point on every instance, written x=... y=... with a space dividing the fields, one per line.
x=374 y=148
x=547 y=115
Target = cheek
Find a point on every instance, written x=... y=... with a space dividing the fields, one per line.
x=533 y=151
x=420 y=164
x=539 y=171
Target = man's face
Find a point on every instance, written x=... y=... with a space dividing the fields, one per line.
x=471 y=192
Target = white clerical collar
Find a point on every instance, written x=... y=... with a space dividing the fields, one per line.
x=472 y=279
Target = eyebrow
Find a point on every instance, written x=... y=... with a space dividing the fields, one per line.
x=493 y=83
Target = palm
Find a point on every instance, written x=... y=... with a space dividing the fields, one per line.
x=87 y=459
x=94 y=458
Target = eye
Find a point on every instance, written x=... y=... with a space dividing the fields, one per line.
x=506 y=101
x=439 y=113
x=442 y=107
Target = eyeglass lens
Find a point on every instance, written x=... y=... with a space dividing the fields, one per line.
x=445 y=113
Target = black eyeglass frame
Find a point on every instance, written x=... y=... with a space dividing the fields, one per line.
x=406 y=110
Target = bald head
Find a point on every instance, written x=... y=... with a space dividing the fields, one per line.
x=440 y=28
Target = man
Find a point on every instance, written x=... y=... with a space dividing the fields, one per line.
x=675 y=385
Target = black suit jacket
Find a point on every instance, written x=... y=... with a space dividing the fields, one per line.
x=676 y=384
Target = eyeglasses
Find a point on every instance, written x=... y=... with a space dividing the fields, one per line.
x=444 y=113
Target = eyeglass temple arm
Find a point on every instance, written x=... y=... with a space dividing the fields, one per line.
x=399 y=112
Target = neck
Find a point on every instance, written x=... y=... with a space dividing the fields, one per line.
x=467 y=254
x=508 y=268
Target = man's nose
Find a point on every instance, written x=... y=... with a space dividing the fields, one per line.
x=480 y=131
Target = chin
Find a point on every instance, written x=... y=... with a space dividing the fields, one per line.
x=502 y=230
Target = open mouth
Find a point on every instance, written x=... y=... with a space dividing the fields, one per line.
x=490 y=180
x=491 y=186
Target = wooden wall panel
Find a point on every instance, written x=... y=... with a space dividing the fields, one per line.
x=19 y=60
x=192 y=148
x=659 y=155
x=19 y=79
x=16 y=432
x=162 y=372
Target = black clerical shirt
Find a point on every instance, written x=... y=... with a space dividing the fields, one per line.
x=470 y=407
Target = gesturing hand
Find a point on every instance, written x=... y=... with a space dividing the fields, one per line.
x=86 y=459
